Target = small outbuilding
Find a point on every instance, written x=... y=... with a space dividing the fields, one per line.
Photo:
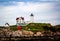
x=6 y=24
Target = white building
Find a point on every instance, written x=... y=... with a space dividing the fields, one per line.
x=20 y=20
x=6 y=24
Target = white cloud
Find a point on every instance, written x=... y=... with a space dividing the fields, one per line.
x=33 y=6
x=40 y=10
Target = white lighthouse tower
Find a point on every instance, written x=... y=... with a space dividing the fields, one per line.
x=31 y=18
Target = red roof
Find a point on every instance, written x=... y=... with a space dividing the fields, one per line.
x=22 y=18
x=17 y=18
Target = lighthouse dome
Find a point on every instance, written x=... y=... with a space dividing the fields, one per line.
x=31 y=14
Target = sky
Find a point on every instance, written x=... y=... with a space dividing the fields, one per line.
x=45 y=11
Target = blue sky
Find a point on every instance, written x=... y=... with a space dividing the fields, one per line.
x=45 y=11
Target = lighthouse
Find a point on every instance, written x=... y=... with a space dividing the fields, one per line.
x=31 y=18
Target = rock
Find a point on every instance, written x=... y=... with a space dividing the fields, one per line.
x=28 y=33
x=38 y=34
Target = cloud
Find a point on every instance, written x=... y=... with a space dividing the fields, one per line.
x=41 y=11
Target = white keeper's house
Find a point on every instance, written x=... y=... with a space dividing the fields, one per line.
x=20 y=20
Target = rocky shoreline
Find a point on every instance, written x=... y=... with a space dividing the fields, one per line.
x=7 y=34
x=34 y=38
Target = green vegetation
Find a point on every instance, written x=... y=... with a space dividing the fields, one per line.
x=14 y=27
x=35 y=27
